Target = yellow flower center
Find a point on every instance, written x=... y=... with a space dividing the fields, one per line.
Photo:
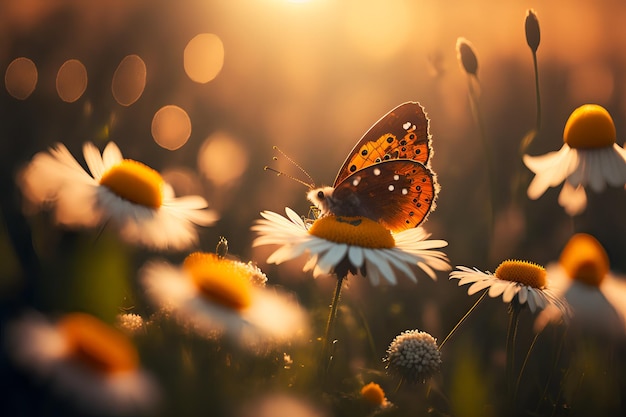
x=585 y=260
x=135 y=182
x=98 y=345
x=373 y=393
x=223 y=281
x=589 y=126
x=354 y=231
x=524 y=272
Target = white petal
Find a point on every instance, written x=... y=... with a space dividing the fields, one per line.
x=478 y=286
x=355 y=255
x=532 y=297
x=382 y=266
x=595 y=175
x=294 y=217
x=191 y=202
x=522 y=294
x=285 y=253
x=509 y=293
x=403 y=266
x=94 y=160
x=428 y=270
x=111 y=155
x=497 y=288
x=332 y=257
x=573 y=200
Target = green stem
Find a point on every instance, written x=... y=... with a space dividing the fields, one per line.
x=325 y=360
x=515 y=309
x=463 y=319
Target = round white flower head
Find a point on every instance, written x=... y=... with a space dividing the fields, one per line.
x=414 y=356
x=130 y=323
x=517 y=281
x=123 y=193
x=215 y=296
x=86 y=361
x=597 y=299
x=589 y=157
x=339 y=245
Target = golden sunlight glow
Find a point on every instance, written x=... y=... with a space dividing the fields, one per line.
x=129 y=80
x=171 y=127
x=222 y=159
x=71 y=80
x=20 y=78
x=204 y=57
x=379 y=29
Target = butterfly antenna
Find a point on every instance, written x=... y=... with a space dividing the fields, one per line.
x=279 y=173
x=294 y=163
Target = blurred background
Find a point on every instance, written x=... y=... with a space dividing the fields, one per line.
x=202 y=90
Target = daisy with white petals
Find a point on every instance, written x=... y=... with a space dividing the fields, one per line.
x=596 y=296
x=589 y=158
x=92 y=365
x=124 y=193
x=516 y=281
x=216 y=297
x=339 y=244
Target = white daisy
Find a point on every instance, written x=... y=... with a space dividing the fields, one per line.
x=597 y=298
x=84 y=360
x=216 y=296
x=520 y=281
x=124 y=193
x=338 y=244
x=589 y=158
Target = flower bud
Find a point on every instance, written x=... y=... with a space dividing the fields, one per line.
x=533 y=35
x=466 y=56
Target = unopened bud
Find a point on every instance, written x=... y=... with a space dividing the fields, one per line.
x=533 y=35
x=466 y=56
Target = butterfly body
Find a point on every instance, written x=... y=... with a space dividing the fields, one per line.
x=386 y=177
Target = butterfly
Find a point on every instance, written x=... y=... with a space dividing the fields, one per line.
x=387 y=175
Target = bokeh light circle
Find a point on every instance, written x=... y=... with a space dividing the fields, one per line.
x=20 y=78
x=222 y=159
x=129 y=80
x=171 y=127
x=204 y=57
x=71 y=80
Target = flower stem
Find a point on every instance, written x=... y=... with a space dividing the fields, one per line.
x=463 y=319
x=326 y=359
x=515 y=309
x=521 y=371
x=537 y=95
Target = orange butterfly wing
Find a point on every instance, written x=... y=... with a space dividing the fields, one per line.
x=399 y=193
x=400 y=134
